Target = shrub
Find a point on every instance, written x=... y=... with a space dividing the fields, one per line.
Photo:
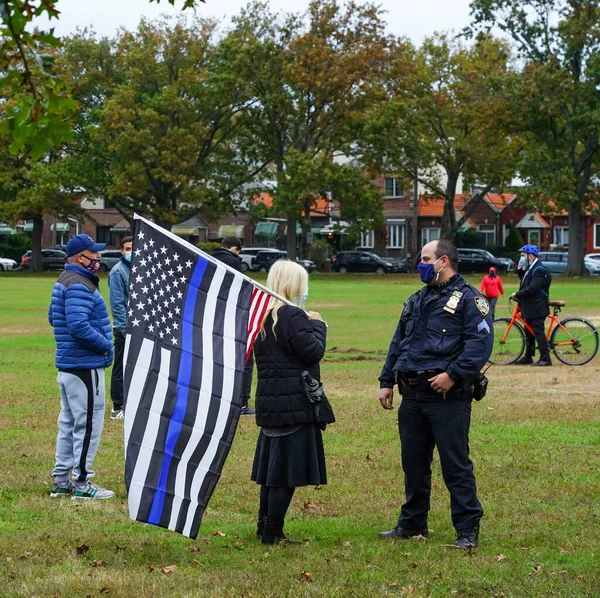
x=208 y=246
x=14 y=246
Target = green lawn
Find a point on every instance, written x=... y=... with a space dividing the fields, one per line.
x=535 y=442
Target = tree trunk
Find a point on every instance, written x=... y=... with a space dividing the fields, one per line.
x=36 y=244
x=449 y=216
x=291 y=237
x=577 y=239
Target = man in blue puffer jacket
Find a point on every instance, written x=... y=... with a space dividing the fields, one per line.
x=84 y=349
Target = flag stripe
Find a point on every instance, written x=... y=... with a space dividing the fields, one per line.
x=225 y=397
x=183 y=383
x=138 y=477
x=258 y=308
x=190 y=455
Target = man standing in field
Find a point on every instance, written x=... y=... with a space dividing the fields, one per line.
x=84 y=349
x=118 y=282
x=443 y=339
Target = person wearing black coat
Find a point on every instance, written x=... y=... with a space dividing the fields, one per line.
x=228 y=253
x=533 y=299
x=289 y=452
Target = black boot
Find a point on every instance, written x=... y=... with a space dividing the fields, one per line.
x=260 y=526
x=525 y=360
x=273 y=532
x=467 y=538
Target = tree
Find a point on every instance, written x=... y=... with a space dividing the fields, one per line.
x=40 y=118
x=446 y=118
x=558 y=106
x=311 y=77
x=159 y=121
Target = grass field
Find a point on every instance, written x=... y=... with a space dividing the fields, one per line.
x=535 y=441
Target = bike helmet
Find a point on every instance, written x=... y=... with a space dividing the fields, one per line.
x=530 y=249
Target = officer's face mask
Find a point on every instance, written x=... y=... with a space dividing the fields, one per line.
x=427 y=271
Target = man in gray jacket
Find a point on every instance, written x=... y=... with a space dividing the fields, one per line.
x=118 y=282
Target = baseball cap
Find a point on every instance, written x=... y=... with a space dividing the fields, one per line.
x=80 y=243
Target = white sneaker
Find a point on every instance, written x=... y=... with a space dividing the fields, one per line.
x=91 y=492
x=117 y=414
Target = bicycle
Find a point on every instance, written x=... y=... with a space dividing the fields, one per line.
x=574 y=340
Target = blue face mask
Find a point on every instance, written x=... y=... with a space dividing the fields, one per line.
x=304 y=296
x=523 y=262
x=127 y=256
x=427 y=271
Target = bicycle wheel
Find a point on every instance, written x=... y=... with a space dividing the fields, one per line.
x=575 y=341
x=507 y=350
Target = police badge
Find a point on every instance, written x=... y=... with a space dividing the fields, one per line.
x=482 y=305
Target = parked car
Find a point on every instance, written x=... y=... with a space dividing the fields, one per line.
x=555 y=261
x=109 y=258
x=308 y=265
x=479 y=260
x=592 y=263
x=265 y=259
x=510 y=264
x=398 y=266
x=248 y=253
x=8 y=264
x=52 y=259
x=359 y=261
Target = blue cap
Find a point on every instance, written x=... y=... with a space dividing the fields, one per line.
x=80 y=243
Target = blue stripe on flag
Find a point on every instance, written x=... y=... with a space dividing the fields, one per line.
x=183 y=382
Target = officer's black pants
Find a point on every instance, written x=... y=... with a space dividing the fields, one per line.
x=426 y=419
x=538 y=336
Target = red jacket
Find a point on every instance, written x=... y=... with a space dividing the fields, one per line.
x=491 y=287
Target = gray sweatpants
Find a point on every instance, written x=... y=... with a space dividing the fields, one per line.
x=82 y=403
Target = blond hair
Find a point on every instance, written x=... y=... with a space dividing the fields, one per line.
x=289 y=280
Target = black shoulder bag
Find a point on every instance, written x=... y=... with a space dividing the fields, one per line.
x=316 y=395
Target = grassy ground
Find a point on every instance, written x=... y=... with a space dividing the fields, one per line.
x=534 y=440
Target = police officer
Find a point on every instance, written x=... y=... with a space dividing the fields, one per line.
x=533 y=299
x=443 y=339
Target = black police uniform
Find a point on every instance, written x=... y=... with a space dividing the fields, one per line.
x=533 y=300
x=443 y=328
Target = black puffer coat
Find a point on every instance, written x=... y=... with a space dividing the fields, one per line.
x=225 y=256
x=298 y=346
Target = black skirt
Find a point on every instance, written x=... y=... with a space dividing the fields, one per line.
x=294 y=460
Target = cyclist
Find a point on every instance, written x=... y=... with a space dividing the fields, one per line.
x=533 y=299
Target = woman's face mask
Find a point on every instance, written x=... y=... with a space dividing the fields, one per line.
x=427 y=271
x=304 y=296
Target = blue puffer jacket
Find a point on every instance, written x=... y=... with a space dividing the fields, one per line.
x=80 y=320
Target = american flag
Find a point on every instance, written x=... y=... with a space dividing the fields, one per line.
x=190 y=327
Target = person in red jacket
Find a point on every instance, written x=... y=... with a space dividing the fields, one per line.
x=491 y=287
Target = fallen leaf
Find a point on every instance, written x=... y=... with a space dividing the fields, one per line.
x=25 y=556
x=328 y=560
x=118 y=548
x=198 y=563
x=500 y=558
x=193 y=548
x=304 y=576
x=559 y=573
x=104 y=591
x=368 y=458
x=218 y=534
x=347 y=543
x=98 y=563
x=419 y=537
x=414 y=564
x=168 y=570
x=82 y=549
x=536 y=569
x=150 y=568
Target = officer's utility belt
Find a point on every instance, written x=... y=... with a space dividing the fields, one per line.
x=421 y=378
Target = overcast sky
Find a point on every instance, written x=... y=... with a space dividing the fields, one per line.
x=413 y=18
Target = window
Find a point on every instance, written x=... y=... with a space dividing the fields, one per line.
x=391 y=187
x=596 y=236
x=367 y=239
x=395 y=234
x=506 y=232
x=429 y=234
x=534 y=237
x=561 y=236
x=103 y=235
x=487 y=232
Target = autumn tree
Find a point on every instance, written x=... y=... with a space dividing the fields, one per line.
x=558 y=107
x=311 y=78
x=446 y=119
x=161 y=118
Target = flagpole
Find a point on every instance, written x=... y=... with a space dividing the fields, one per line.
x=214 y=260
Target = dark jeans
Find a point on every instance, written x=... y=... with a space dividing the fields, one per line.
x=493 y=301
x=426 y=420
x=539 y=336
x=247 y=380
x=116 y=380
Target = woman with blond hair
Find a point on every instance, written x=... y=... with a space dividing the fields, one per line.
x=289 y=451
